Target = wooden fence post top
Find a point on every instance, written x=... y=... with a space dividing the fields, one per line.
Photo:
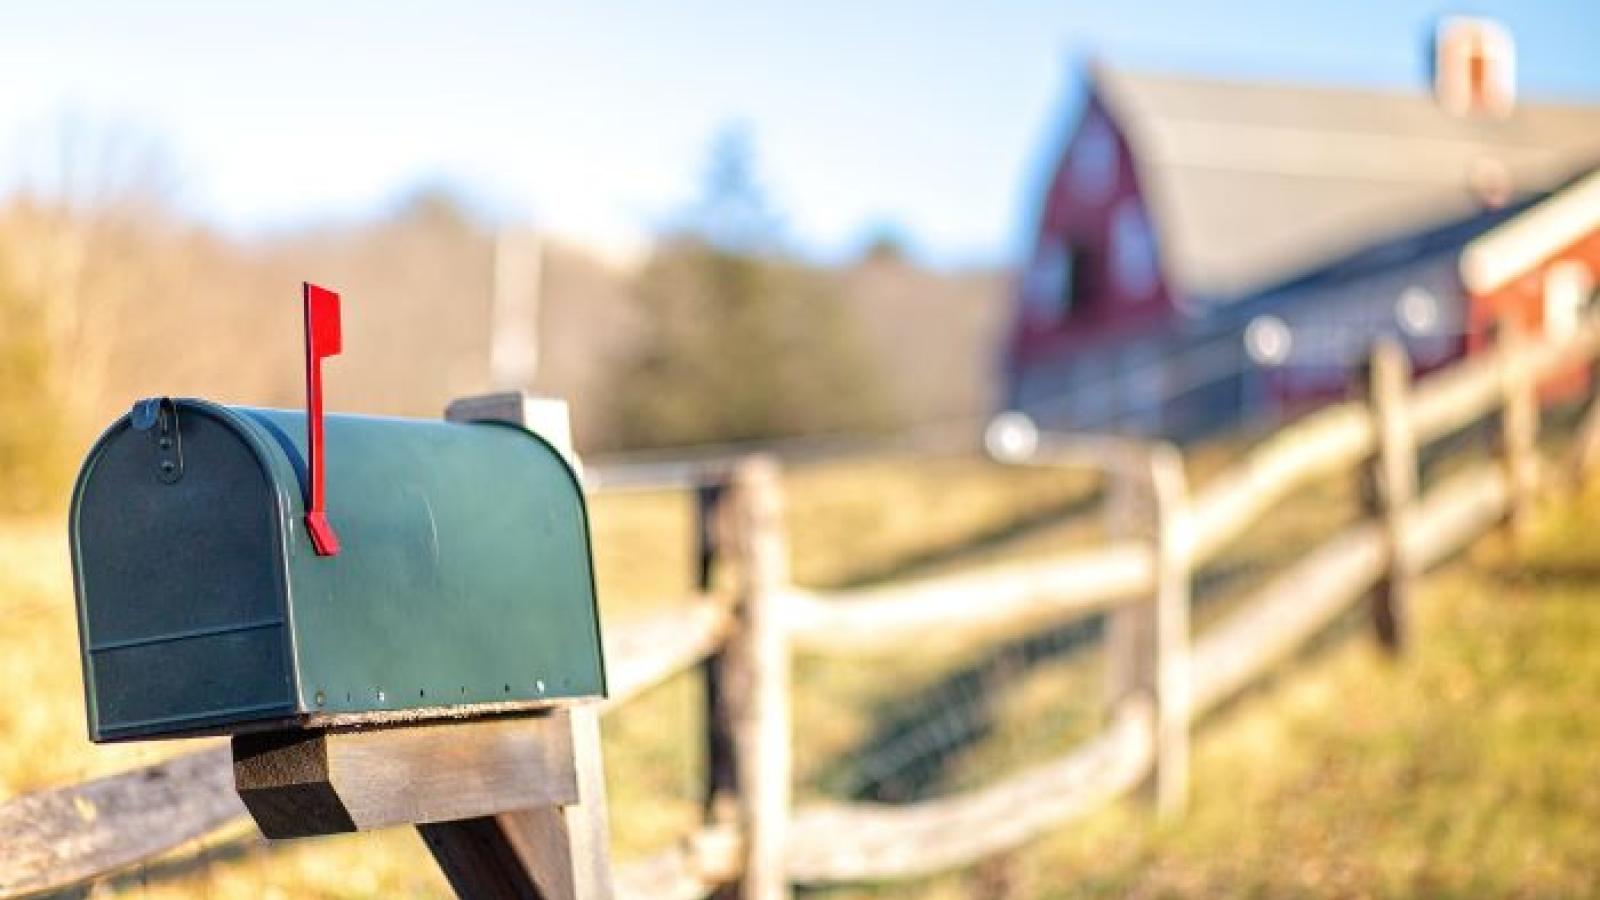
x=757 y=523
x=759 y=480
x=1169 y=489
x=1387 y=360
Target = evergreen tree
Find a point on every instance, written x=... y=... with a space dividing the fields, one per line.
x=740 y=342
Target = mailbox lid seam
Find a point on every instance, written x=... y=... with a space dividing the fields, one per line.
x=207 y=631
x=220 y=716
x=274 y=453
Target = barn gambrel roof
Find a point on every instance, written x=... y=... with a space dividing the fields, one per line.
x=1251 y=183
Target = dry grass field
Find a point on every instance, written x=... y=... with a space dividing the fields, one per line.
x=1465 y=770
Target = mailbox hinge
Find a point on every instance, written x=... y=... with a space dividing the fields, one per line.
x=159 y=416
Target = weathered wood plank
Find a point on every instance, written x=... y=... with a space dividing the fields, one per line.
x=994 y=597
x=54 y=839
x=1324 y=443
x=564 y=851
x=556 y=850
x=1520 y=244
x=1457 y=512
x=297 y=784
x=644 y=651
x=1305 y=597
x=1130 y=517
x=547 y=417
x=1294 y=605
x=688 y=870
x=483 y=859
x=588 y=822
x=1174 y=540
x=720 y=801
x=1581 y=351
x=1453 y=398
x=1519 y=423
x=1147 y=641
x=1465 y=392
x=1585 y=452
x=868 y=842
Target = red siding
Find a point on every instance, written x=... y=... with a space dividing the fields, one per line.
x=1523 y=300
x=1080 y=214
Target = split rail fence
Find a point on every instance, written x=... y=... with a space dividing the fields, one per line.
x=755 y=844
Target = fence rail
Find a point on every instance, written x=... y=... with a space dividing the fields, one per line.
x=743 y=637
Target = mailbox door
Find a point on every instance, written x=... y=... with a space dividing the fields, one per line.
x=180 y=579
x=463 y=576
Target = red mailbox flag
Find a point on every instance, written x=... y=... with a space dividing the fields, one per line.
x=322 y=341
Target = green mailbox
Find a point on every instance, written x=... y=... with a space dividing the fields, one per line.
x=460 y=582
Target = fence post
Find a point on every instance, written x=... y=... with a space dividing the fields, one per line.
x=1585 y=450
x=1389 y=486
x=747 y=682
x=1586 y=447
x=721 y=801
x=1519 y=424
x=1148 y=643
x=1128 y=516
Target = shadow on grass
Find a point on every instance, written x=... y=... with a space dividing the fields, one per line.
x=974 y=544
x=925 y=733
x=921 y=734
x=1566 y=574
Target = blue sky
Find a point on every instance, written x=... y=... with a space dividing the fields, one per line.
x=594 y=119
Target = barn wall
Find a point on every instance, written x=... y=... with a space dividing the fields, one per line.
x=1524 y=298
x=1094 y=208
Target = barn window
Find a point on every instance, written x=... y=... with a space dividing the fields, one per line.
x=1053 y=283
x=1133 y=251
x=1092 y=170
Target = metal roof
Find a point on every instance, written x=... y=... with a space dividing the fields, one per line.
x=1251 y=183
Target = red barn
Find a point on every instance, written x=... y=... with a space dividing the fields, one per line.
x=1209 y=251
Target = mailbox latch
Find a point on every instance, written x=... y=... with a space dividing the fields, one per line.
x=159 y=417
